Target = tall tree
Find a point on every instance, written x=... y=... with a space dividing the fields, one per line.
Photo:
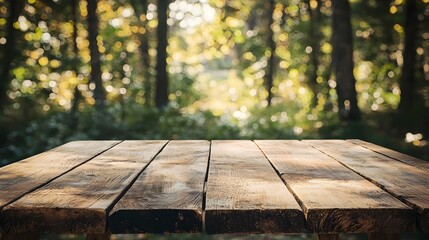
x=269 y=73
x=342 y=60
x=8 y=49
x=386 y=24
x=140 y=9
x=76 y=94
x=314 y=38
x=161 y=87
x=99 y=93
x=407 y=81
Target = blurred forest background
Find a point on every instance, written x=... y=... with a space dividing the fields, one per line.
x=206 y=69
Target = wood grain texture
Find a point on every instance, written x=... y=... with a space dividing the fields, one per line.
x=168 y=196
x=334 y=198
x=407 y=183
x=245 y=194
x=424 y=165
x=78 y=201
x=26 y=175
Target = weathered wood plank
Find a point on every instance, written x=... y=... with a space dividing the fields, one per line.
x=168 y=195
x=78 y=201
x=334 y=198
x=424 y=165
x=26 y=175
x=403 y=181
x=245 y=194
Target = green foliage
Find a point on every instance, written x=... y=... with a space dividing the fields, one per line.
x=117 y=122
x=133 y=121
x=217 y=60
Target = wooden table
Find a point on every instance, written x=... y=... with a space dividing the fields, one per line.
x=265 y=186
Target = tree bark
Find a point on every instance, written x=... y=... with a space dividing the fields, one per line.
x=140 y=7
x=407 y=81
x=269 y=74
x=342 y=61
x=99 y=93
x=8 y=49
x=161 y=88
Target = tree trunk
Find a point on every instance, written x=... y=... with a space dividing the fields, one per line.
x=77 y=94
x=99 y=93
x=386 y=24
x=314 y=36
x=269 y=74
x=407 y=81
x=342 y=61
x=140 y=7
x=8 y=49
x=161 y=91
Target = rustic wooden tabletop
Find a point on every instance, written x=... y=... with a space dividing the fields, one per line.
x=222 y=186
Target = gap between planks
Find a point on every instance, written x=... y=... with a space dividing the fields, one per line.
x=167 y=197
x=395 y=155
x=205 y=181
x=302 y=167
x=60 y=175
x=107 y=234
x=418 y=204
x=109 y=208
x=368 y=178
x=238 y=201
x=205 y=188
x=299 y=201
x=97 y=215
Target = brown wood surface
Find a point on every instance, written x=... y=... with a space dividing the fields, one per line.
x=424 y=165
x=245 y=195
x=78 y=201
x=26 y=175
x=342 y=186
x=403 y=181
x=168 y=195
x=334 y=198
